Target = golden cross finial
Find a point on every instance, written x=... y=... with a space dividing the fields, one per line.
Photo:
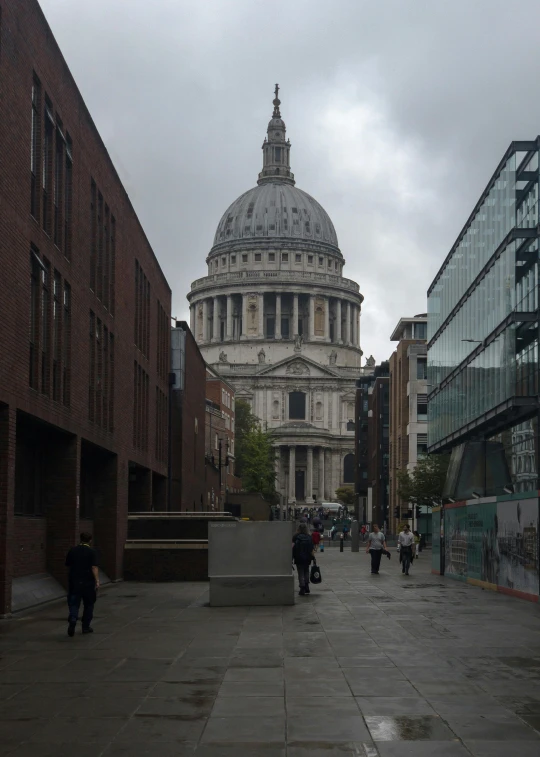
x=277 y=103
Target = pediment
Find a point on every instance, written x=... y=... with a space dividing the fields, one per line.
x=298 y=367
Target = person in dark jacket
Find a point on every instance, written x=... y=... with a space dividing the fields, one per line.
x=83 y=583
x=302 y=557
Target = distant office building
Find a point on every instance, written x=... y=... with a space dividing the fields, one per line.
x=483 y=336
x=84 y=328
x=408 y=413
x=372 y=446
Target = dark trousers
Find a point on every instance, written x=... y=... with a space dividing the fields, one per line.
x=406 y=558
x=303 y=575
x=376 y=555
x=85 y=594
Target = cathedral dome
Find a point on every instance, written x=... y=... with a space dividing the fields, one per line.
x=276 y=210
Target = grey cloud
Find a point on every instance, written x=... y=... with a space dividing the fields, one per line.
x=398 y=112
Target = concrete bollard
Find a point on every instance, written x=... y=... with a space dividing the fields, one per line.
x=355 y=536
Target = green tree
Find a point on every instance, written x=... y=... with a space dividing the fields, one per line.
x=255 y=455
x=245 y=423
x=425 y=483
x=345 y=494
x=258 y=472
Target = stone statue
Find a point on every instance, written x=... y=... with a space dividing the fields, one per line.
x=332 y=357
x=298 y=341
x=370 y=362
x=223 y=357
x=261 y=355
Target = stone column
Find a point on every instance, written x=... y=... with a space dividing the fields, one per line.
x=215 y=335
x=321 y=473
x=244 y=316
x=338 y=322
x=192 y=319
x=261 y=316
x=205 y=321
x=229 y=331
x=311 y=317
x=278 y=317
x=295 y=315
x=309 y=482
x=348 y=325
x=292 y=477
x=327 y=319
x=354 y=324
x=328 y=474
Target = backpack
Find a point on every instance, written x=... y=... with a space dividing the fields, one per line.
x=303 y=547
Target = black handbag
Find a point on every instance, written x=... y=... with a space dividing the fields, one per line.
x=315 y=574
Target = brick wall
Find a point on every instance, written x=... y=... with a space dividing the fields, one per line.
x=29 y=546
x=29 y=54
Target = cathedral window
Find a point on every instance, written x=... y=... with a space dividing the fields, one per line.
x=223 y=262
x=257 y=257
x=298 y=258
x=244 y=257
x=284 y=257
x=321 y=261
x=329 y=264
x=297 y=406
x=310 y=259
x=233 y=259
x=348 y=469
x=277 y=154
x=271 y=257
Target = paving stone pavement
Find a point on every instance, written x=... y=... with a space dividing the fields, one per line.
x=372 y=666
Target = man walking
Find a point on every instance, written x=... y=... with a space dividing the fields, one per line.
x=83 y=583
x=406 y=546
x=376 y=545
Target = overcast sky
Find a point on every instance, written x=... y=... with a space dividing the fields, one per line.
x=398 y=112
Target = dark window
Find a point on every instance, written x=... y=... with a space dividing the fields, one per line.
x=285 y=328
x=140 y=408
x=102 y=249
x=297 y=406
x=321 y=261
x=66 y=350
x=350 y=426
x=142 y=310
x=101 y=378
x=57 y=337
x=271 y=256
x=35 y=148
x=421 y=368
x=58 y=194
x=277 y=154
x=310 y=259
x=285 y=257
x=233 y=259
x=45 y=318
x=348 y=469
x=46 y=172
x=298 y=258
x=257 y=257
x=270 y=328
x=244 y=258
x=421 y=411
x=68 y=198
x=420 y=330
x=35 y=297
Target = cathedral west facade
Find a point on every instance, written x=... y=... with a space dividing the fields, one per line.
x=276 y=317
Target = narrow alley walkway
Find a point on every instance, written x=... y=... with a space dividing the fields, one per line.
x=366 y=665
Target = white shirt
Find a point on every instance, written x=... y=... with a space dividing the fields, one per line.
x=406 y=540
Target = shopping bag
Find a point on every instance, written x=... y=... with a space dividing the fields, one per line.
x=315 y=574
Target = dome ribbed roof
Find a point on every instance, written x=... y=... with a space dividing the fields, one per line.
x=276 y=210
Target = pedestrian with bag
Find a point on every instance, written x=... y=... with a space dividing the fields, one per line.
x=407 y=546
x=375 y=546
x=83 y=583
x=303 y=555
x=316 y=538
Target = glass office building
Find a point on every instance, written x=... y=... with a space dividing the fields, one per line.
x=483 y=323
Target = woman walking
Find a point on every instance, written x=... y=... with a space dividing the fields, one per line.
x=376 y=545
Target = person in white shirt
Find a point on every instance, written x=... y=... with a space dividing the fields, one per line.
x=406 y=545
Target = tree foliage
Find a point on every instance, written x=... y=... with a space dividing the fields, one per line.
x=255 y=454
x=345 y=494
x=426 y=482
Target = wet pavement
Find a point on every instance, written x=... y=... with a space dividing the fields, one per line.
x=372 y=666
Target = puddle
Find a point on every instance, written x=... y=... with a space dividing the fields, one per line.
x=403 y=728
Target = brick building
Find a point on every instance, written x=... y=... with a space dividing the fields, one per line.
x=408 y=413
x=378 y=445
x=84 y=326
x=221 y=393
